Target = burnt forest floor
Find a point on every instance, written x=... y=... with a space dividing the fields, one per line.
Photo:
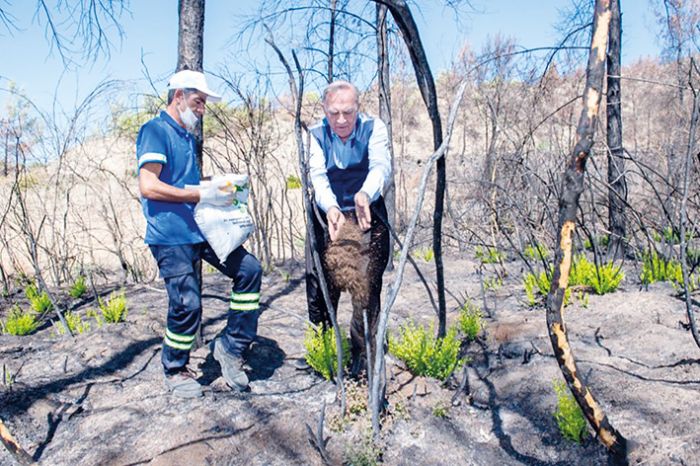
x=99 y=398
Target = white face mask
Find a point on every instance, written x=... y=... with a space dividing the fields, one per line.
x=188 y=118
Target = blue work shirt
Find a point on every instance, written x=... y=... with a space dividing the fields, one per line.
x=162 y=140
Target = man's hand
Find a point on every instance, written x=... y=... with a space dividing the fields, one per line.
x=215 y=196
x=364 y=216
x=335 y=220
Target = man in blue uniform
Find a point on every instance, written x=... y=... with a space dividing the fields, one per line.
x=166 y=152
x=349 y=166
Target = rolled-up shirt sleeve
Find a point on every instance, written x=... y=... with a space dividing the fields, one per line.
x=325 y=199
x=379 y=162
x=151 y=145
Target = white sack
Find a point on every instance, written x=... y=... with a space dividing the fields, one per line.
x=225 y=227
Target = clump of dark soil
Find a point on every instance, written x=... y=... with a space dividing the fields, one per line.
x=347 y=259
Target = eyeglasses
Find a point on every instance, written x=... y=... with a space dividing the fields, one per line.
x=348 y=112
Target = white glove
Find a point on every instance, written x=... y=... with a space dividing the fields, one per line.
x=215 y=196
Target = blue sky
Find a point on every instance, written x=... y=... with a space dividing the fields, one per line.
x=151 y=30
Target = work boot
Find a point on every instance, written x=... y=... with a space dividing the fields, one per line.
x=231 y=366
x=183 y=384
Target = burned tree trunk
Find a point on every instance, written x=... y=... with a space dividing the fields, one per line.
x=404 y=19
x=571 y=189
x=617 y=185
x=378 y=378
x=684 y=211
x=384 y=91
x=21 y=456
x=190 y=44
x=190 y=48
x=190 y=56
x=331 y=39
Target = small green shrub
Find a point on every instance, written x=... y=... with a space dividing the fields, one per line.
x=427 y=254
x=363 y=452
x=537 y=287
x=8 y=378
x=78 y=289
x=536 y=252
x=424 y=354
x=530 y=285
x=471 y=320
x=114 y=310
x=441 y=411
x=40 y=302
x=97 y=315
x=539 y=283
x=569 y=417
x=692 y=257
x=657 y=268
x=293 y=182
x=670 y=236
x=31 y=291
x=580 y=269
x=321 y=353
x=356 y=397
x=20 y=323
x=493 y=283
x=76 y=324
x=677 y=282
x=488 y=255
x=604 y=278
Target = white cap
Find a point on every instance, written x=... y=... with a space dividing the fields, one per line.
x=188 y=79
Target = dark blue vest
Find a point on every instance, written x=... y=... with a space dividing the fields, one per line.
x=346 y=182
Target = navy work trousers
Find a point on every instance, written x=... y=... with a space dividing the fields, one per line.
x=178 y=266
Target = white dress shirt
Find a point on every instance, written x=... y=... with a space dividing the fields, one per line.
x=379 y=164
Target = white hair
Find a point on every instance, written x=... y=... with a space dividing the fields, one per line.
x=339 y=85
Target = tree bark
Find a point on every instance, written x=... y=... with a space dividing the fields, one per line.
x=190 y=46
x=384 y=94
x=21 y=456
x=617 y=184
x=190 y=49
x=190 y=56
x=571 y=189
x=331 y=40
x=404 y=19
x=378 y=384
x=684 y=213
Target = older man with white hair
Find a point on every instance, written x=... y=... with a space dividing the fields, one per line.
x=350 y=166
